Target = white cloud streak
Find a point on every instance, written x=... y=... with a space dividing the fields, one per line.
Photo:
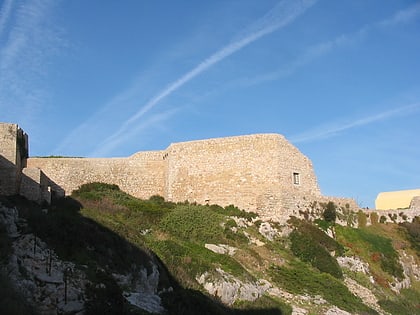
x=27 y=41
x=403 y=16
x=333 y=129
x=282 y=14
x=316 y=51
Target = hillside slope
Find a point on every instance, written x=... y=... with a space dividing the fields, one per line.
x=129 y=256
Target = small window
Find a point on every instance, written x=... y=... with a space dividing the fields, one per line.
x=296 y=178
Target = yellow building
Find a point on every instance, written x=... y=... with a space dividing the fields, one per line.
x=395 y=199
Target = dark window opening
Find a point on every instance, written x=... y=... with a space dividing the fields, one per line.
x=296 y=178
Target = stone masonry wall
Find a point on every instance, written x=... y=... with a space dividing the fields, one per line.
x=251 y=172
x=35 y=185
x=141 y=175
x=262 y=173
x=13 y=154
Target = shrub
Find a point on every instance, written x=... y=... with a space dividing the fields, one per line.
x=193 y=223
x=94 y=191
x=330 y=212
x=413 y=230
x=361 y=218
x=374 y=218
x=232 y=211
x=304 y=247
x=312 y=245
x=407 y=303
x=299 y=279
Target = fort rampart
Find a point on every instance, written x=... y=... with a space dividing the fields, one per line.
x=254 y=172
x=262 y=173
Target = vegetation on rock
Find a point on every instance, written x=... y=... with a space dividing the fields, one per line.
x=107 y=231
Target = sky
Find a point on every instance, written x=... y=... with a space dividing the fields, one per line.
x=339 y=79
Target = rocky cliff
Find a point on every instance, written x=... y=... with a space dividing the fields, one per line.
x=105 y=250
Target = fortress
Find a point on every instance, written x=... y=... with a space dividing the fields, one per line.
x=262 y=173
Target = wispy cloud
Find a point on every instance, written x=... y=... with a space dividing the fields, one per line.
x=318 y=50
x=27 y=41
x=404 y=16
x=281 y=15
x=335 y=128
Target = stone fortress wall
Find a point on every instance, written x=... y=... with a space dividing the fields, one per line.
x=141 y=175
x=262 y=173
x=253 y=172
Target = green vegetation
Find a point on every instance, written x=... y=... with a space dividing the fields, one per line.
x=109 y=231
x=413 y=231
x=407 y=303
x=361 y=219
x=373 y=248
x=194 y=223
x=330 y=212
x=312 y=245
x=298 y=278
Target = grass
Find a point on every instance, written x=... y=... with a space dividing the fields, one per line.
x=194 y=223
x=123 y=230
x=373 y=248
x=408 y=303
x=299 y=278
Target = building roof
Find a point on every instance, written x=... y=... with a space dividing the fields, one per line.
x=400 y=199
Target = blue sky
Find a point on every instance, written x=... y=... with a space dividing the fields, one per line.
x=339 y=79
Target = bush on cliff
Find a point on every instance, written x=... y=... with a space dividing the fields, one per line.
x=312 y=245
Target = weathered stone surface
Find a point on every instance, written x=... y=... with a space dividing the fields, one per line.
x=28 y=270
x=355 y=264
x=221 y=249
x=268 y=231
x=257 y=172
x=336 y=311
x=230 y=289
x=363 y=293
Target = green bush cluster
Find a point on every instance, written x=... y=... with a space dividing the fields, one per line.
x=95 y=191
x=407 y=303
x=361 y=219
x=312 y=245
x=330 y=212
x=234 y=211
x=193 y=223
x=413 y=231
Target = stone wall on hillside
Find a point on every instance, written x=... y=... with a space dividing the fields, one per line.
x=393 y=216
x=13 y=154
x=415 y=203
x=251 y=172
x=263 y=173
x=255 y=172
x=141 y=175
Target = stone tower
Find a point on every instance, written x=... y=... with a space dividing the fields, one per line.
x=13 y=157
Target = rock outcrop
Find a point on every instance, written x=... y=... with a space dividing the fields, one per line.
x=57 y=286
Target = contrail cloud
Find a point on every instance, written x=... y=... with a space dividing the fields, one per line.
x=281 y=15
x=328 y=131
